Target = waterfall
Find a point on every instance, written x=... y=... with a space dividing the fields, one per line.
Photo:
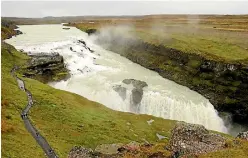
x=95 y=73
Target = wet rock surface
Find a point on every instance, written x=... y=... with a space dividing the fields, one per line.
x=136 y=83
x=194 y=139
x=46 y=67
x=91 y=31
x=122 y=91
x=137 y=91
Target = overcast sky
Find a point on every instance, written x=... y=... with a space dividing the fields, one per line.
x=77 y=8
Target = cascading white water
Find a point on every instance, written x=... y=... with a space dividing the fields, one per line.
x=93 y=75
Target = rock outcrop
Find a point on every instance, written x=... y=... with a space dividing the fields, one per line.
x=122 y=91
x=191 y=139
x=137 y=91
x=243 y=135
x=46 y=67
x=91 y=31
x=136 y=83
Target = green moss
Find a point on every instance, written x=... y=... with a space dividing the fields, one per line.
x=196 y=81
x=233 y=88
x=236 y=83
x=229 y=100
x=207 y=76
x=194 y=63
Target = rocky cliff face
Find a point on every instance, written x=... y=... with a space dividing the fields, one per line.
x=46 y=67
x=225 y=84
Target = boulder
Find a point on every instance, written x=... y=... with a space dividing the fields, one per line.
x=80 y=152
x=191 y=139
x=108 y=149
x=243 y=135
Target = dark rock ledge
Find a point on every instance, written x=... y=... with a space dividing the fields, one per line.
x=46 y=67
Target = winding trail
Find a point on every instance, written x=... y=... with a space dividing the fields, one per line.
x=50 y=153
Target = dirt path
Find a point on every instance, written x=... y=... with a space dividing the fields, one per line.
x=50 y=153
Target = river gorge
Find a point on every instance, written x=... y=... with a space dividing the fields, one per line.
x=95 y=73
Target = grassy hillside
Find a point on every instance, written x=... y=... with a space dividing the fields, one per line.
x=214 y=37
x=7 y=29
x=65 y=119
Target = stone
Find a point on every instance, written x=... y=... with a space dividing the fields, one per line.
x=243 y=135
x=194 y=139
x=108 y=148
x=80 y=152
x=160 y=137
x=150 y=122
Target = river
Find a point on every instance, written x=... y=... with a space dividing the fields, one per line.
x=94 y=74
